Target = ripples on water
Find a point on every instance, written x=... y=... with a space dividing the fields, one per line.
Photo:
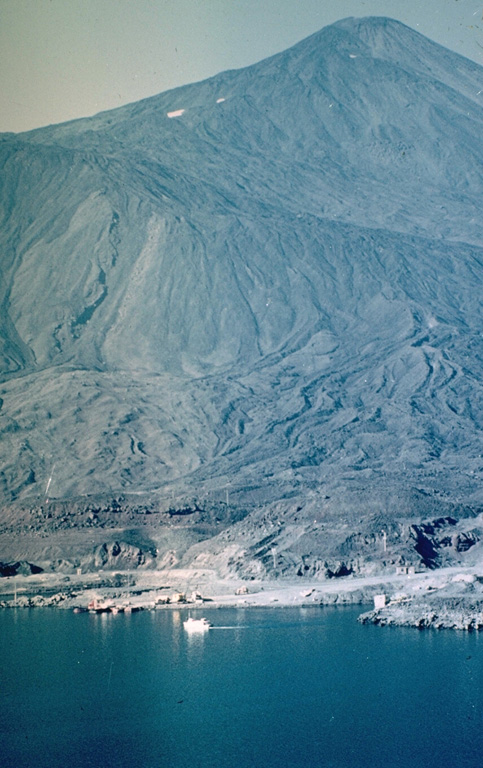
x=274 y=688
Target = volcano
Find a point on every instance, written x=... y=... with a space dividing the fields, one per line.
x=258 y=294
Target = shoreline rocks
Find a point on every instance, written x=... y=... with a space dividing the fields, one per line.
x=439 y=613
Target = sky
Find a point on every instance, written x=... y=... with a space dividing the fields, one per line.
x=63 y=59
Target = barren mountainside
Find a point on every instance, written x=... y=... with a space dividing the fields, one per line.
x=257 y=298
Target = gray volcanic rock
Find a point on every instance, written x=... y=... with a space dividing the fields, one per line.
x=23 y=568
x=259 y=290
x=460 y=613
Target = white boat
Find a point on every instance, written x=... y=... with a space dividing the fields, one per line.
x=196 y=625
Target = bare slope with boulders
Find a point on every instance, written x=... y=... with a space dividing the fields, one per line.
x=265 y=310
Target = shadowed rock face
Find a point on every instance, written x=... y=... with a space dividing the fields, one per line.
x=274 y=296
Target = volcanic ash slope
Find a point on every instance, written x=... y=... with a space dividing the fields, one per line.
x=262 y=289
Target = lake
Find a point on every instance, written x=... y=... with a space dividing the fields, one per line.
x=264 y=687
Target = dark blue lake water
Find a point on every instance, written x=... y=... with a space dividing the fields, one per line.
x=274 y=688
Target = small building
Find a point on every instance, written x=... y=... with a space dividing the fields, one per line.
x=178 y=597
x=405 y=570
x=379 y=601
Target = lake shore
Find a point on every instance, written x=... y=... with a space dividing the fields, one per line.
x=446 y=598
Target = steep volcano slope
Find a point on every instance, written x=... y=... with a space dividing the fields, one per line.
x=276 y=291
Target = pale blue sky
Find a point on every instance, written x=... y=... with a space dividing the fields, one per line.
x=61 y=59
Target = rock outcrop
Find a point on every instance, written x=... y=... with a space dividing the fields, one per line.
x=436 y=613
x=22 y=568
